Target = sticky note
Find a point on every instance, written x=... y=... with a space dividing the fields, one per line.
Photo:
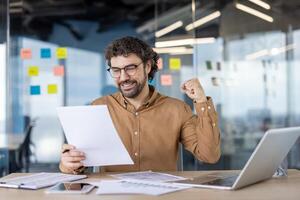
x=59 y=70
x=33 y=71
x=26 y=53
x=215 y=81
x=175 y=63
x=160 y=64
x=166 y=79
x=35 y=90
x=52 y=89
x=219 y=66
x=61 y=53
x=45 y=53
x=208 y=65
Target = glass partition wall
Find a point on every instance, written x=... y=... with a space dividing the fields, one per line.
x=245 y=55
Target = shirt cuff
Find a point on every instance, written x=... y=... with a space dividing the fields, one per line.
x=205 y=109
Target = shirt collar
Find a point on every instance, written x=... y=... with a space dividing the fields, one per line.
x=122 y=100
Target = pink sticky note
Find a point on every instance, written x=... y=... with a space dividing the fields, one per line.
x=160 y=63
x=59 y=70
x=166 y=80
x=26 y=53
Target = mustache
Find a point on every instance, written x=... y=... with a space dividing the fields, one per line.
x=127 y=81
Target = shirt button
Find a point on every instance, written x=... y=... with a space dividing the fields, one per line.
x=135 y=132
x=136 y=154
x=136 y=114
x=214 y=124
x=208 y=107
x=202 y=109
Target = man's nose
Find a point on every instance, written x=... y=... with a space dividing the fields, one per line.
x=123 y=75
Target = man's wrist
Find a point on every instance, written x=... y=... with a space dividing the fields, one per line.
x=200 y=100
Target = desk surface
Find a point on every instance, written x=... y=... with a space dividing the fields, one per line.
x=276 y=188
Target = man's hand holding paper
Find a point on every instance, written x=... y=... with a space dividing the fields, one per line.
x=90 y=130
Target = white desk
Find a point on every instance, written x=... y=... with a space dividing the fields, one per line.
x=273 y=189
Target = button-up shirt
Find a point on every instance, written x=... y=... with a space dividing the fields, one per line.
x=151 y=133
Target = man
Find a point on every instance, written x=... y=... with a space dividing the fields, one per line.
x=150 y=124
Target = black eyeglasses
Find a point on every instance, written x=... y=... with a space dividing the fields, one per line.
x=130 y=70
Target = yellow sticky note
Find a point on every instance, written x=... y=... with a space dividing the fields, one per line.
x=52 y=89
x=61 y=53
x=33 y=71
x=175 y=63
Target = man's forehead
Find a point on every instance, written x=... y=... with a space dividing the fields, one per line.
x=121 y=60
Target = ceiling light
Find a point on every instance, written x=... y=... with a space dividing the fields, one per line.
x=168 y=29
x=269 y=52
x=174 y=50
x=254 y=12
x=182 y=42
x=261 y=4
x=203 y=20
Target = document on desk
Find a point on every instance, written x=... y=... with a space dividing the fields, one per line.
x=148 y=176
x=91 y=130
x=136 y=187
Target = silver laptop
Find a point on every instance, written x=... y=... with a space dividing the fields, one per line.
x=267 y=156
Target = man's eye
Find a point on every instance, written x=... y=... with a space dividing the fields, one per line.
x=131 y=67
x=115 y=70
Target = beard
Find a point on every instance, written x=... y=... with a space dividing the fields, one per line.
x=131 y=88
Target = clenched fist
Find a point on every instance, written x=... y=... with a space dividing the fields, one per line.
x=193 y=89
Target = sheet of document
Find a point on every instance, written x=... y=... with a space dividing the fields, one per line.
x=91 y=130
x=136 y=187
x=148 y=176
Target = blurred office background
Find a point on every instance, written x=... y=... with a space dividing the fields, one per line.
x=245 y=53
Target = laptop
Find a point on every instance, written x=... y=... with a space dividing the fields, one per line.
x=263 y=163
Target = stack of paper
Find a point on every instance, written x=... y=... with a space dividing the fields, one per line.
x=136 y=187
x=148 y=176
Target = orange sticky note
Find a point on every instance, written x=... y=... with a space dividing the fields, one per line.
x=175 y=63
x=33 y=71
x=166 y=80
x=160 y=64
x=52 y=89
x=61 y=53
x=26 y=53
x=59 y=70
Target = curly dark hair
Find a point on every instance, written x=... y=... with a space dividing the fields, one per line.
x=128 y=45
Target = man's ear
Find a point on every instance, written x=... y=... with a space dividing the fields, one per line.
x=148 y=66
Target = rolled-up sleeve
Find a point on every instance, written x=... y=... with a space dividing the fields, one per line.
x=200 y=134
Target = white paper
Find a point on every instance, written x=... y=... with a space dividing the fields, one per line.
x=136 y=187
x=148 y=176
x=91 y=130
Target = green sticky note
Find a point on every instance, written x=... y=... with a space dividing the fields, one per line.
x=208 y=65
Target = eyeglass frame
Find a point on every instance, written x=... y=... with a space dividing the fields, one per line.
x=124 y=68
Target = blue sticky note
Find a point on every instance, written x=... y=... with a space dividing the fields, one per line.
x=35 y=90
x=45 y=53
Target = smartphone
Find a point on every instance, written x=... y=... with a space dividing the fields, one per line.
x=70 y=188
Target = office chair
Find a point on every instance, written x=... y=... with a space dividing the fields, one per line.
x=20 y=159
x=25 y=151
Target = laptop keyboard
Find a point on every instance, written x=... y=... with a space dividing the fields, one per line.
x=226 y=181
